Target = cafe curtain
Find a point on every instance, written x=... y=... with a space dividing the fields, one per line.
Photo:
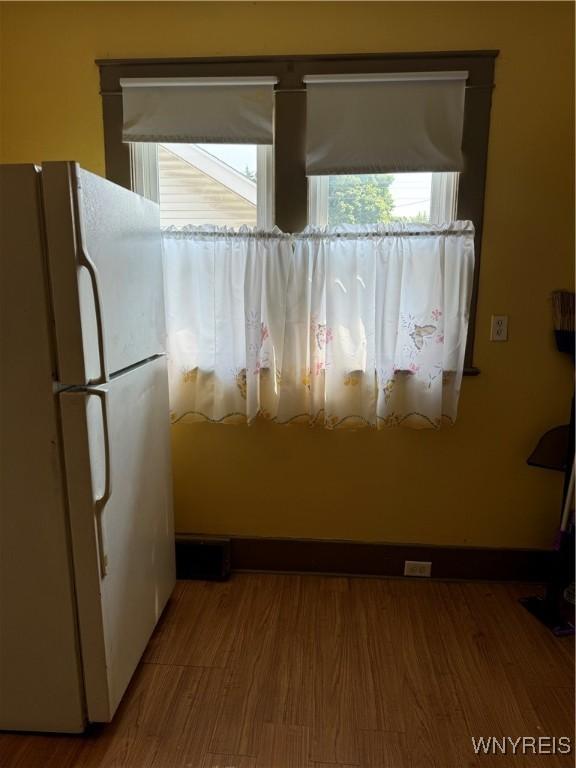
x=339 y=327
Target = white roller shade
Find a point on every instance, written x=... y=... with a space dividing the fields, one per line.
x=380 y=123
x=211 y=110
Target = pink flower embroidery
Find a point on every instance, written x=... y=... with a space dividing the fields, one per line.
x=323 y=335
x=414 y=368
x=436 y=313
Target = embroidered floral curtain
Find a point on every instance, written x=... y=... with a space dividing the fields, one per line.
x=338 y=327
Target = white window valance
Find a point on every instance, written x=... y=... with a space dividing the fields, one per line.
x=380 y=123
x=198 y=110
x=342 y=328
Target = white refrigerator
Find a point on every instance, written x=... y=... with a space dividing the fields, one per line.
x=86 y=526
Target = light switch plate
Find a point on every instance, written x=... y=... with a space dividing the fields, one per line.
x=499 y=328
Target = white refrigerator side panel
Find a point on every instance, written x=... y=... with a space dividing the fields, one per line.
x=105 y=255
x=40 y=674
x=118 y=610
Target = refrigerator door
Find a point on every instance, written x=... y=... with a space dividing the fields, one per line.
x=40 y=674
x=117 y=454
x=105 y=260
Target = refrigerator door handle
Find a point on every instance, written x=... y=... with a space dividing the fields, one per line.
x=86 y=261
x=100 y=503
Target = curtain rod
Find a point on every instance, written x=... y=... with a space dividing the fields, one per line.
x=263 y=235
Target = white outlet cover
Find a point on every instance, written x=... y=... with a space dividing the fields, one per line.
x=420 y=568
x=499 y=328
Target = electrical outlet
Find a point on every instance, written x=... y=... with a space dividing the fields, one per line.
x=499 y=328
x=417 y=568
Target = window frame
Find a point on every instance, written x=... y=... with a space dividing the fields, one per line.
x=290 y=180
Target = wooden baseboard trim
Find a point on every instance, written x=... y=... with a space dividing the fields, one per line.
x=382 y=559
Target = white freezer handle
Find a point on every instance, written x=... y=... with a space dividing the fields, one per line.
x=100 y=503
x=86 y=261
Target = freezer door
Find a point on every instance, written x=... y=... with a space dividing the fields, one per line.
x=117 y=455
x=105 y=260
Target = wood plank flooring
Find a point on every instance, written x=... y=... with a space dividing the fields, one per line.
x=288 y=671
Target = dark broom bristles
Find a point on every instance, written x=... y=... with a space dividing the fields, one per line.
x=563 y=307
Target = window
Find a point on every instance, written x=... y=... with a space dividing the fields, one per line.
x=380 y=198
x=287 y=197
x=221 y=184
x=206 y=184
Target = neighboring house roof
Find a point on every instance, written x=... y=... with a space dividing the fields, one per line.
x=197 y=188
x=215 y=168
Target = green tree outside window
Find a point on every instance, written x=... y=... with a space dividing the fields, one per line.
x=360 y=199
x=364 y=199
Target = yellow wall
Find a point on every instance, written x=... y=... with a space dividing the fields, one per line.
x=469 y=484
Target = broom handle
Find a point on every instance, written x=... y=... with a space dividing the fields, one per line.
x=569 y=476
x=567 y=502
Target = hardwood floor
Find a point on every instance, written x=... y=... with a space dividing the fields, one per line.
x=287 y=671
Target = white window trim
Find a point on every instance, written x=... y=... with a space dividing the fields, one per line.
x=444 y=193
x=144 y=178
x=264 y=186
x=144 y=170
x=443 y=198
x=318 y=200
